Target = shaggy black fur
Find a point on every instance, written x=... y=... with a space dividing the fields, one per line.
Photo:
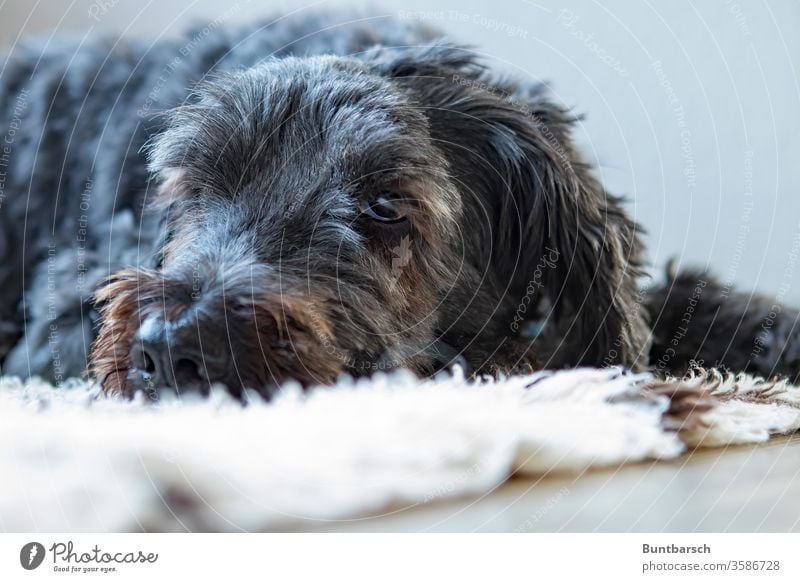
x=333 y=195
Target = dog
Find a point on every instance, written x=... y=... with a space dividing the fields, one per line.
x=317 y=196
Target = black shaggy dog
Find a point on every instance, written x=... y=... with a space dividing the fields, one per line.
x=319 y=196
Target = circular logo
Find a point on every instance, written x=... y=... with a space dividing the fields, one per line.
x=31 y=555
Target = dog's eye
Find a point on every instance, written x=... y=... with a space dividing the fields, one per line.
x=384 y=208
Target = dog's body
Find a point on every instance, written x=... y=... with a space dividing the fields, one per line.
x=333 y=198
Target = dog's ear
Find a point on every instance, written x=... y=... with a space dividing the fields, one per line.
x=552 y=236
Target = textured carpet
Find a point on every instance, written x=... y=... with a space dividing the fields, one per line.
x=71 y=460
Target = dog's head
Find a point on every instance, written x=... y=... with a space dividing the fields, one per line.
x=333 y=215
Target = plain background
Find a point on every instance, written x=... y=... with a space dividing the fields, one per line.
x=692 y=109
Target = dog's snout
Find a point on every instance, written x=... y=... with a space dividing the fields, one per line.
x=179 y=356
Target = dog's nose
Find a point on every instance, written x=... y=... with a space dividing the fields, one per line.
x=178 y=356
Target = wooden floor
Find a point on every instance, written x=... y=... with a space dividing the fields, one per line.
x=738 y=489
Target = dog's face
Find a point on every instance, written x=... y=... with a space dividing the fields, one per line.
x=331 y=215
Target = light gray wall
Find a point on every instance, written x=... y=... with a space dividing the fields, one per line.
x=693 y=109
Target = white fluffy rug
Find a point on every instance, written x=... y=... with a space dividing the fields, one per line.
x=70 y=461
